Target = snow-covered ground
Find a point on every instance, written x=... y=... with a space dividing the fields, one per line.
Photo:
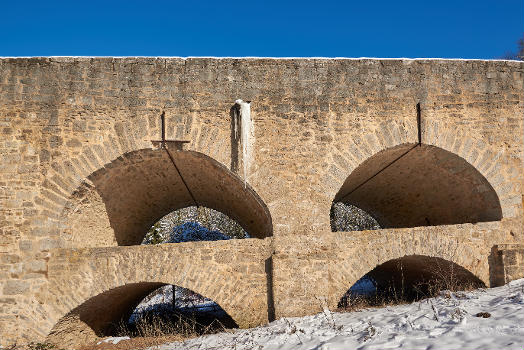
x=446 y=322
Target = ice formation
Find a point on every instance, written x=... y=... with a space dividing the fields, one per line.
x=246 y=137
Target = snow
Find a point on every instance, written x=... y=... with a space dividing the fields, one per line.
x=186 y=301
x=446 y=322
x=184 y=298
x=113 y=340
x=193 y=232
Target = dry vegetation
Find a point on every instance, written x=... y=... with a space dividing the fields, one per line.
x=149 y=330
x=155 y=329
x=444 y=281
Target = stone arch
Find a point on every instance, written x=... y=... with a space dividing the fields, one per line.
x=492 y=161
x=93 y=318
x=118 y=203
x=414 y=185
x=65 y=175
x=415 y=276
x=379 y=247
x=81 y=281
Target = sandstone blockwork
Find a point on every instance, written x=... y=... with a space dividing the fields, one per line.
x=83 y=177
x=506 y=263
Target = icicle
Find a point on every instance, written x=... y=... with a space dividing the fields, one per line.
x=247 y=133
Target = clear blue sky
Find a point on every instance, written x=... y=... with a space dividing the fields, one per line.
x=366 y=28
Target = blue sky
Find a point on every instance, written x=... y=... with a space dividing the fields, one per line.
x=442 y=28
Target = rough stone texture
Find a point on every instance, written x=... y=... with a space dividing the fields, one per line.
x=139 y=188
x=108 y=284
x=508 y=263
x=80 y=177
x=468 y=195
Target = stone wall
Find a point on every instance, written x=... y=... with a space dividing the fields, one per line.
x=65 y=121
x=507 y=263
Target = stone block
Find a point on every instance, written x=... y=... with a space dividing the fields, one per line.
x=47 y=244
x=25 y=245
x=15 y=287
x=35 y=266
x=510 y=257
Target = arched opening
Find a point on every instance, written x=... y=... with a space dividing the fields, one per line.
x=409 y=278
x=119 y=203
x=136 y=309
x=177 y=310
x=411 y=185
x=174 y=309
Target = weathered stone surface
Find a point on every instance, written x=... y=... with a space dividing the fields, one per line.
x=13 y=287
x=507 y=262
x=80 y=178
x=114 y=270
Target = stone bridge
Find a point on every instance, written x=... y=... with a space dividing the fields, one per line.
x=433 y=149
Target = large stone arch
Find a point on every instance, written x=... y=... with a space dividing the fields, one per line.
x=99 y=316
x=118 y=203
x=418 y=185
x=84 y=282
x=412 y=277
x=66 y=174
x=396 y=137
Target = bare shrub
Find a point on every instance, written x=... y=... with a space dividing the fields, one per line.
x=151 y=329
x=152 y=324
x=446 y=276
x=209 y=218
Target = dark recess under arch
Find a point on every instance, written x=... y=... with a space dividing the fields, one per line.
x=409 y=278
x=426 y=186
x=102 y=314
